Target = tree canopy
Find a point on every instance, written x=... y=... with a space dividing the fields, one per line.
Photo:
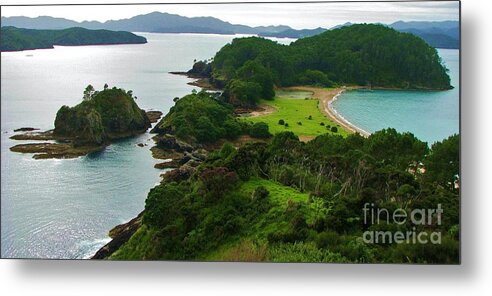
x=363 y=54
x=15 y=39
x=303 y=202
x=199 y=117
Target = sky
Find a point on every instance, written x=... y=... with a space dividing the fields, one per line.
x=304 y=15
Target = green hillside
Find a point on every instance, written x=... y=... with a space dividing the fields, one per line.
x=16 y=39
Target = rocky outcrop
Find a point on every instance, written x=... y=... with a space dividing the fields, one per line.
x=35 y=136
x=170 y=142
x=82 y=125
x=55 y=150
x=174 y=163
x=106 y=115
x=180 y=174
x=154 y=116
x=88 y=127
x=25 y=129
x=120 y=235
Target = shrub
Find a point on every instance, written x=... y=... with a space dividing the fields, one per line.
x=281 y=122
x=357 y=251
x=334 y=129
x=328 y=240
x=301 y=252
x=261 y=203
x=217 y=181
x=260 y=193
x=226 y=150
x=260 y=130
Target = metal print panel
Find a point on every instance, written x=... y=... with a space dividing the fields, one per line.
x=273 y=132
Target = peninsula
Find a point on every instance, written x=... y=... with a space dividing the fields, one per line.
x=291 y=188
x=17 y=39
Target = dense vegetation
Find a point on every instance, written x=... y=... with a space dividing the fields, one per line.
x=14 y=39
x=437 y=34
x=366 y=54
x=294 y=201
x=101 y=116
x=204 y=118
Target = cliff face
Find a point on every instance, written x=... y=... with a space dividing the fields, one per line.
x=83 y=124
x=109 y=114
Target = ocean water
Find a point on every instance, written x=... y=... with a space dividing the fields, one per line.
x=65 y=208
x=430 y=115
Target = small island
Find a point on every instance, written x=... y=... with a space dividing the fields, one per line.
x=90 y=126
x=17 y=39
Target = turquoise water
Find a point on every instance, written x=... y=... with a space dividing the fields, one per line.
x=65 y=208
x=430 y=116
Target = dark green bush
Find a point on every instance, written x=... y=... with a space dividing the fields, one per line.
x=260 y=130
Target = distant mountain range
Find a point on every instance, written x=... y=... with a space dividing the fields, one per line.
x=443 y=34
x=156 y=22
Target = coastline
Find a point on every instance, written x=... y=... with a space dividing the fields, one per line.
x=326 y=97
x=199 y=81
x=339 y=118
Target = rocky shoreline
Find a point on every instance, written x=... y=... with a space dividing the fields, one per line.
x=200 y=81
x=61 y=147
x=181 y=160
x=119 y=235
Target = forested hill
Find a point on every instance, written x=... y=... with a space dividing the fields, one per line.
x=15 y=39
x=363 y=54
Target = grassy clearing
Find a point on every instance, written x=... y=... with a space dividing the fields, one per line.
x=250 y=245
x=279 y=194
x=302 y=116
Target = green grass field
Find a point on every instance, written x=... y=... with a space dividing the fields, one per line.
x=279 y=195
x=295 y=110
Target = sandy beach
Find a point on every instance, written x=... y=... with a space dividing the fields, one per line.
x=326 y=97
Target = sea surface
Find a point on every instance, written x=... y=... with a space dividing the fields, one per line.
x=65 y=208
x=430 y=115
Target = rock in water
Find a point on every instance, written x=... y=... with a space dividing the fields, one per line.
x=108 y=114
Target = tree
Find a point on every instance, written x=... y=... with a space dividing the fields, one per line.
x=443 y=163
x=88 y=92
x=243 y=93
x=254 y=71
x=217 y=181
x=314 y=77
x=364 y=54
x=260 y=130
